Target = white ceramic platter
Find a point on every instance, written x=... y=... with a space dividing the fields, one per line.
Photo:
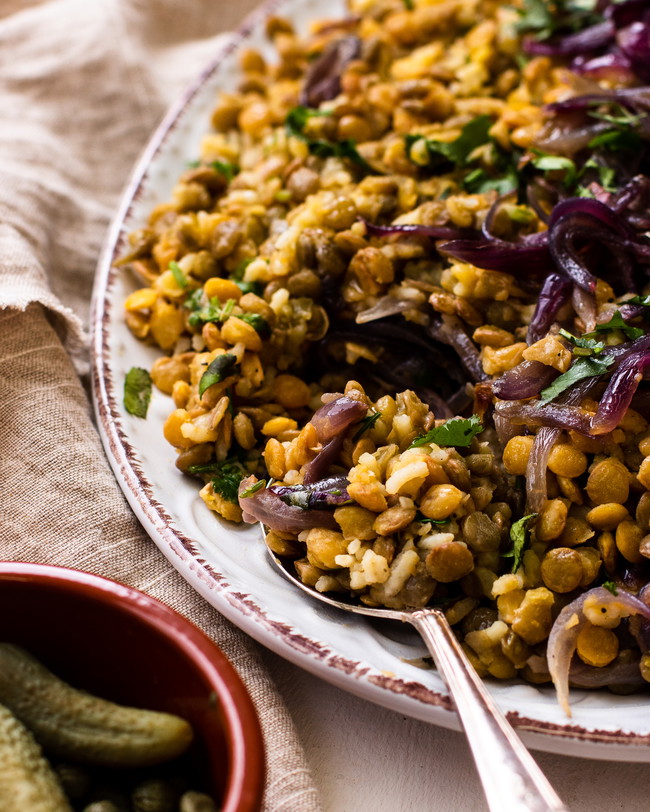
x=227 y=565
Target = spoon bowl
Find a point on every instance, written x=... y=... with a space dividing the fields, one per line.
x=510 y=777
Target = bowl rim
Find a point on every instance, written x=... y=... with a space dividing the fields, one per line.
x=244 y=737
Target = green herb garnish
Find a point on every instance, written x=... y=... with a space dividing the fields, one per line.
x=250 y=287
x=640 y=300
x=366 y=424
x=457 y=432
x=295 y=123
x=544 y=18
x=557 y=163
x=420 y=517
x=519 y=535
x=618 y=323
x=214 y=311
x=474 y=134
x=225 y=168
x=177 y=273
x=582 y=345
x=254 y=488
x=259 y=323
x=581 y=368
x=227 y=475
x=238 y=274
x=217 y=371
x=409 y=5
x=610 y=586
x=137 y=391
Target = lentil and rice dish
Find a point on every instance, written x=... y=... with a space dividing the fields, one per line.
x=401 y=299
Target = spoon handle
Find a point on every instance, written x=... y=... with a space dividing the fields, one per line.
x=511 y=779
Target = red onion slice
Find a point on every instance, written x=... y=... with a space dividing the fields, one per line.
x=267 y=507
x=335 y=416
x=563 y=638
x=525 y=380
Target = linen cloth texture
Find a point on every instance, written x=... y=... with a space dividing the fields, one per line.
x=83 y=85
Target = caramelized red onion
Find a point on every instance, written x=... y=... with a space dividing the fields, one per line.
x=268 y=507
x=555 y=293
x=323 y=78
x=331 y=421
x=621 y=388
x=528 y=257
x=525 y=380
x=414 y=230
x=563 y=638
x=326 y=493
x=336 y=415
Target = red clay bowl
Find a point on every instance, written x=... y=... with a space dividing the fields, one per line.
x=123 y=645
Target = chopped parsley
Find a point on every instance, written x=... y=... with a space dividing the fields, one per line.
x=499 y=172
x=214 y=311
x=250 y=287
x=137 y=391
x=474 y=134
x=519 y=535
x=610 y=586
x=582 y=345
x=545 y=18
x=178 y=274
x=257 y=322
x=639 y=300
x=217 y=371
x=618 y=323
x=581 y=368
x=227 y=475
x=366 y=424
x=238 y=274
x=225 y=168
x=457 y=432
x=254 y=488
x=420 y=517
x=295 y=124
x=557 y=163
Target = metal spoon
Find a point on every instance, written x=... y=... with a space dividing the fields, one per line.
x=511 y=779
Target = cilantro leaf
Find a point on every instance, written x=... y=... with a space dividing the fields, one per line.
x=227 y=476
x=611 y=587
x=238 y=274
x=420 y=517
x=640 y=300
x=581 y=368
x=214 y=311
x=366 y=424
x=254 y=488
x=535 y=16
x=178 y=274
x=618 y=323
x=582 y=345
x=137 y=391
x=519 y=536
x=257 y=322
x=217 y=371
x=225 y=168
x=457 y=432
x=556 y=163
x=472 y=135
x=295 y=123
x=250 y=287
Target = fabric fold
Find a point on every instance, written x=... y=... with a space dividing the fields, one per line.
x=84 y=84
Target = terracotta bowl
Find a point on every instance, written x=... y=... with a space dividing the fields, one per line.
x=123 y=645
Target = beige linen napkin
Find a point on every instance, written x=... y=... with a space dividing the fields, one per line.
x=82 y=84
